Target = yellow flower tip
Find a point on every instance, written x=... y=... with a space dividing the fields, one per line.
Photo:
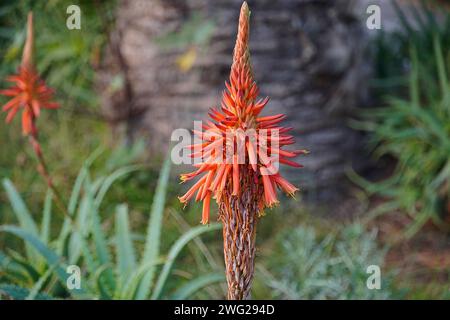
x=292 y=194
x=273 y=204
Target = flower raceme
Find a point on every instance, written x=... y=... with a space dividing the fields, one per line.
x=29 y=92
x=237 y=138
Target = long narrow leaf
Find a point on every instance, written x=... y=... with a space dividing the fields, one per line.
x=23 y=215
x=39 y=284
x=126 y=261
x=175 y=250
x=46 y=219
x=50 y=256
x=151 y=250
x=186 y=291
x=119 y=173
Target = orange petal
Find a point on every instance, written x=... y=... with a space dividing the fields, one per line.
x=11 y=114
x=36 y=107
x=11 y=92
x=188 y=195
x=224 y=178
x=199 y=193
x=218 y=177
x=290 y=163
x=285 y=185
x=236 y=181
x=252 y=155
x=12 y=103
x=26 y=122
x=269 y=192
x=206 y=208
x=270 y=118
x=208 y=180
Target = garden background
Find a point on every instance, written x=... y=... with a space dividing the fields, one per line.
x=371 y=105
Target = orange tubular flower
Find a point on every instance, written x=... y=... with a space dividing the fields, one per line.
x=243 y=181
x=29 y=92
x=31 y=95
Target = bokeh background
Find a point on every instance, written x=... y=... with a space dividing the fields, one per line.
x=371 y=105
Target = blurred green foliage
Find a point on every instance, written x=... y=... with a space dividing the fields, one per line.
x=414 y=128
x=192 y=38
x=419 y=25
x=66 y=59
x=110 y=263
x=304 y=266
x=125 y=253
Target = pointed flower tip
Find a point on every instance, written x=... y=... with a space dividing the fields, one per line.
x=241 y=47
x=27 y=56
x=245 y=10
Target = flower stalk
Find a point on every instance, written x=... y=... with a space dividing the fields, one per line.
x=239 y=216
x=30 y=94
x=238 y=160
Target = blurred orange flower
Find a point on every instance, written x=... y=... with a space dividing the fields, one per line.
x=29 y=91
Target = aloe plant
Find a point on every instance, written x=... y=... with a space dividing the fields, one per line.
x=415 y=130
x=110 y=263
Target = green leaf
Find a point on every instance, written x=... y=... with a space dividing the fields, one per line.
x=46 y=219
x=151 y=251
x=126 y=261
x=101 y=247
x=29 y=267
x=34 y=292
x=119 y=173
x=175 y=250
x=12 y=269
x=130 y=286
x=19 y=293
x=19 y=207
x=81 y=229
x=100 y=283
x=23 y=215
x=53 y=260
x=443 y=81
x=186 y=291
x=75 y=196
